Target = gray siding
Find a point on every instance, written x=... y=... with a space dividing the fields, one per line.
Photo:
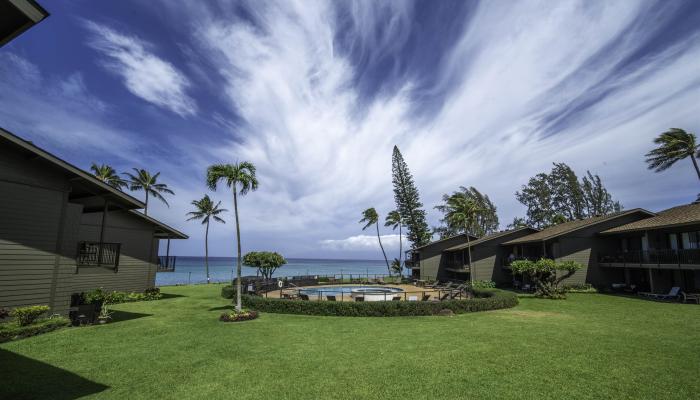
x=431 y=261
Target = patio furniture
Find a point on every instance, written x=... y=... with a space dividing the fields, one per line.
x=672 y=294
x=425 y=297
x=396 y=298
x=330 y=298
x=304 y=296
x=690 y=297
x=359 y=298
x=381 y=281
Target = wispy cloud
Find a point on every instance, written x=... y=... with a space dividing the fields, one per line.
x=362 y=242
x=145 y=74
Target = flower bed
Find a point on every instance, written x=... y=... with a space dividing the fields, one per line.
x=484 y=300
x=13 y=330
x=235 y=316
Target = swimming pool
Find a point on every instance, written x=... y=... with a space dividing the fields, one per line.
x=369 y=293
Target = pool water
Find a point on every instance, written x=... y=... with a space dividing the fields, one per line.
x=337 y=290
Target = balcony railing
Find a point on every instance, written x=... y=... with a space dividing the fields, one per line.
x=663 y=256
x=166 y=263
x=412 y=264
x=97 y=254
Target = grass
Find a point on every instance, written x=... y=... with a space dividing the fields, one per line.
x=589 y=346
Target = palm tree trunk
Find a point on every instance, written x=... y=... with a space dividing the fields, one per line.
x=206 y=251
x=145 y=210
x=238 y=242
x=400 y=251
x=469 y=259
x=383 y=252
x=695 y=164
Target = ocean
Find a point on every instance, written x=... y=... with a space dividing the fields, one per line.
x=222 y=269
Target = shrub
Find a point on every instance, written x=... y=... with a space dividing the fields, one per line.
x=484 y=284
x=4 y=313
x=27 y=315
x=228 y=292
x=10 y=331
x=235 y=316
x=95 y=296
x=152 y=294
x=580 y=288
x=484 y=300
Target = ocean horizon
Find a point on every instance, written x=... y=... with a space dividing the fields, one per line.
x=191 y=269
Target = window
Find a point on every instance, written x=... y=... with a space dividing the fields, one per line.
x=691 y=240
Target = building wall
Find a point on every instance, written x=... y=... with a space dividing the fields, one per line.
x=432 y=264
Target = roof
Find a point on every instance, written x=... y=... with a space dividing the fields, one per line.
x=16 y=16
x=442 y=240
x=572 y=226
x=688 y=214
x=164 y=231
x=88 y=184
x=489 y=237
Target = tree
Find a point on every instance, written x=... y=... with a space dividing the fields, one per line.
x=673 y=146
x=544 y=273
x=240 y=177
x=265 y=261
x=369 y=218
x=486 y=221
x=143 y=180
x=408 y=202
x=559 y=197
x=205 y=209
x=396 y=266
x=461 y=209
x=517 y=223
x=393 y=219
x=108 y=175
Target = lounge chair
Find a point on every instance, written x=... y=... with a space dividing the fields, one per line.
x=304 y=297
x=445 y=296
x=330 y=298
x=694 y=297
x=360 y=298
x=673 y=294
x=425 y=297
x=434 y=285
x=396 y=298
x=381 y=281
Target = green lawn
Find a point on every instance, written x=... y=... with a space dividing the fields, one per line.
x=589 y=346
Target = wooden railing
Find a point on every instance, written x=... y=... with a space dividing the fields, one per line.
x=662 y=256
x=166 y=263
x=97 y=254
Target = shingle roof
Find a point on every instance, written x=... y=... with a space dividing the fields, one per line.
x=442 y=240
x=688 y=214
x=571 y=226
x=487 y=238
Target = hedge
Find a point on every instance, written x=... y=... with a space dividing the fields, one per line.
x=11 y=330
x=485 y=300
x=228 y=292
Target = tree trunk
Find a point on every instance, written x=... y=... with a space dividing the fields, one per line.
x=206 y=251
x=400 y=252
x=469 y=258
x=145 y=210
x=382 y=247
x=238 y=242
x=695 y=164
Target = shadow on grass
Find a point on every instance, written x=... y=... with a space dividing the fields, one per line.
x=119 y=316
x=26 y=378
x=171 y=296
x=222 y=308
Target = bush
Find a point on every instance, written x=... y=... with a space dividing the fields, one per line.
x=10 y=331
x=4 y=313
x=228 y=292
x=27 y=315
x=484 y=284
x=95 y=296
x=580 y=288
x=152 y=294
x=484 y=300
x=235 y=316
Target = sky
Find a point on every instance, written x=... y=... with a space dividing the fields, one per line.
x=317 y=93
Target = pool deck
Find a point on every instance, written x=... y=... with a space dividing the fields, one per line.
x=409 y=290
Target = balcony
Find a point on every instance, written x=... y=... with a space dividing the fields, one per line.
x=166 y=263
x=98 y=254
x=652 y=258
x=411 y=264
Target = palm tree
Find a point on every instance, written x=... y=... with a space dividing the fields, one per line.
x=369 y=218
x=393 y=219
x=462 y=210
x=674 y=145
x=108 y=175
x=240 y=177
x=206 y=210
x=143 y=180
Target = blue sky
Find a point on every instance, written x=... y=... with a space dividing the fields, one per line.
x=317 y=93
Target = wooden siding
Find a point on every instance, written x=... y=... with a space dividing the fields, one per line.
x=28 y=237
x=431 y=259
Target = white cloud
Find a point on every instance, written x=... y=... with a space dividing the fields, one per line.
x=362 y=242
x=145 y=74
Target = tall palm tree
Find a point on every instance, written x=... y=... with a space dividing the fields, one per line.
x=241 y=178
x=206 y=210
x=108 y=175
x=369 y=218
x=673 y=146
x=143 y=180
x=393 y=219
x=463 y=210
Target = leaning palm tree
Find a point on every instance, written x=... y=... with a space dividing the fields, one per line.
x=369 y=218
x=674 y=145
x=205 y=209
x=393 y=219
x=108 y=175
x=240 y=177
x=143 y=180
x=462 y=210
